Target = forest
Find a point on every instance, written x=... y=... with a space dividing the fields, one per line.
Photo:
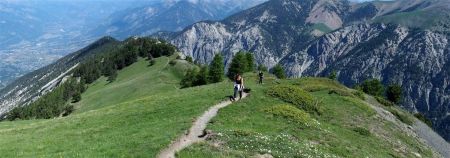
x=59 y=101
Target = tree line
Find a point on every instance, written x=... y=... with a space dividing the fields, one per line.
x=52 y=104
x=56 y=102
x=241 y=63
x=108 y=64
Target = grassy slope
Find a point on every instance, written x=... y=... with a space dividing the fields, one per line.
x=143 y=110
x=136 y=116
x=245 y=129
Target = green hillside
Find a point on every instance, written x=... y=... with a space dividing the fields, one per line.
x=144 y=109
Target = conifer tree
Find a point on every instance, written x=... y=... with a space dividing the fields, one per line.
x=238 y=65
x=189 y=78
x=202 y=77
x=394 y=93
x=216 y=69
x=250 y=61
x=279 y=71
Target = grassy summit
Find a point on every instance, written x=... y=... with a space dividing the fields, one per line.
x=143 y=110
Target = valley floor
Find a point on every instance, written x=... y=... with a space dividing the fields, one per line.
x=143 y=111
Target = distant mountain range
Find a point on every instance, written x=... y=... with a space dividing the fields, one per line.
x=168 y=16
x=51 y=29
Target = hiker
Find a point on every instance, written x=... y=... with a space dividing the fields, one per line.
x=238 y=86
x=261 y=77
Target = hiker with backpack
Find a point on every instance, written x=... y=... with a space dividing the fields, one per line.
x=261 y=77
x=238 y=86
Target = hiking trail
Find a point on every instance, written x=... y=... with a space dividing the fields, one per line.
x=196 y=133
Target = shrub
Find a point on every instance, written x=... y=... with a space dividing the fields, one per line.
x=394 y=93
x=189 y=78
x=152 y=62
x=401 y=116
x=359 y=94
x=263 y=68
x=173 y=62
x=202 y=77
x=333 y=75
x=424 y=119
x=68 y=110
x=241 y=133
x=279 y=71
x=384 y=101
x=76 y=97
x=362 y=131
x=292 y=113
x=295 y=95
x=373 y=87
x=340 y=92
x=189 y=59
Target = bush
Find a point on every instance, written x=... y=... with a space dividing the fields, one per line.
x=362 y=131
x=333 y=75
x=68 y=110
x=178 y=57
x=202 y=77
x=394 y=93
x=152 y=62
x=189 y=59
x=373 y=87
x=189 y=78
x=300 y=98
x=76 y=97
x=340 y=92
x=424 y=119
x=292 y=113
x=401 y=116
x=279 y=71
x=359 y=94
x=384 y=101
x=173 y=62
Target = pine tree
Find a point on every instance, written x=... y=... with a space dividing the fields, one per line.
x=279 y=71
x=238 y=65
x=250 y=61
x=112 y=77
x=394 y=93
x=76 y=97
x=189 y=78
x=333 y=75
x=216 y=69
x=189 y=59
x=373 y=87
x=202 y=77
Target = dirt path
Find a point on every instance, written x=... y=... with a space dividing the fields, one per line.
x=196 y=133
